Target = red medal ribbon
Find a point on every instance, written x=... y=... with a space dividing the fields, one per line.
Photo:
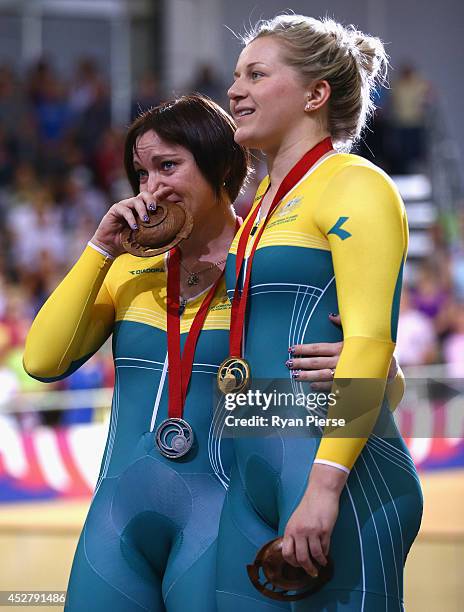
x=180 y=366
x=239 y=301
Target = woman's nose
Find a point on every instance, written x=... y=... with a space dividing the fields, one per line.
x=154 y=182
x=235 y=90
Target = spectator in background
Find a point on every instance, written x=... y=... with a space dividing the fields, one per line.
x=410 y=95
x=375 y=144
x=85 y=86
x=6 y=157
x=108 y=157
x=89 y=376
x=207 y=82
x=12 y=102
x=52 y=112
x=94 y=121
x=456 y=258
x=40 y=72
x=80 y=198
x=453 y=346
x=147 y=96
x=36 y=226
x=416 y=342
x=432 y=296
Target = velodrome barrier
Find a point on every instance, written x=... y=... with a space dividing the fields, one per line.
x=47 y=477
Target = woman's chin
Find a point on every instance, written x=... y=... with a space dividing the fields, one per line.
x=245 y=138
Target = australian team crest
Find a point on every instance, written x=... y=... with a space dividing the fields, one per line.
x=289 y=206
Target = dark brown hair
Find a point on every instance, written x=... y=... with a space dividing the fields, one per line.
x=205 y=129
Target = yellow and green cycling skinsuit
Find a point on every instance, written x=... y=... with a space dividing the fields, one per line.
x=336 y=243
x=149 y=540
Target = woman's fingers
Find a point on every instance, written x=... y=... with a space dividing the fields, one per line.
x=288 y=550
x=123 y=211
x=336 y=319
x=315 y=548
x=325 y=542
x=312 y=363
x=319 y=349
x=162 y=193
x=303 y=556
x=314 y=376
x=142 y=203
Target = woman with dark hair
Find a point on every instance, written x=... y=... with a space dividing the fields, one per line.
x=149 y=540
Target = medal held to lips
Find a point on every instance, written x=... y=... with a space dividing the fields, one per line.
x=167 y=226
x=281 y=580
x=233 y=375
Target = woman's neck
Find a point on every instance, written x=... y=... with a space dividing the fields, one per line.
x=211 y=236
x=282 y=159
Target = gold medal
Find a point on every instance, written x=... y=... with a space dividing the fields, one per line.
x=233 y=375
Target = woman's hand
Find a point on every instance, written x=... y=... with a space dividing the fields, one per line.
x=316 y=363
x=126 y=213
x=309 y=529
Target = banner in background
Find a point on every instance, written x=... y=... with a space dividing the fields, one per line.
x=63 y=463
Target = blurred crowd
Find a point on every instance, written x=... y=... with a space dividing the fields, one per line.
x=61 y=168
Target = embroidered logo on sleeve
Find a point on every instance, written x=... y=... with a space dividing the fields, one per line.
x=338 y=230
x=289 y=206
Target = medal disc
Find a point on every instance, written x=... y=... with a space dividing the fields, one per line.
x=233 y=375
x=277 y=579
x=167 y=226
x=174 y=438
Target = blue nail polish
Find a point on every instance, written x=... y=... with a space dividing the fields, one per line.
x=135 y=226
x=295 y=373
x=333 y=314
x=146 y=218
x=152 y=206
x=291 y=350
x=289 y=363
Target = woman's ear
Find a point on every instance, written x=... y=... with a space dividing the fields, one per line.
x=317 y=95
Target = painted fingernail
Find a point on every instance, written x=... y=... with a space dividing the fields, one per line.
x=152 y=206
x=314 y=574
x=333 y=314
x=289 y=363
x=146 y=218
x=135 y=226
x=296 y=373
x=291 y=350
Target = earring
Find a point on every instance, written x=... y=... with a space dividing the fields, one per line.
x=308 y=107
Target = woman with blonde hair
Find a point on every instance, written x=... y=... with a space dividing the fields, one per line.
x=327 y=232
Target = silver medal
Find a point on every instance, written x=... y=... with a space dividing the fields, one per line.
x=174 y=438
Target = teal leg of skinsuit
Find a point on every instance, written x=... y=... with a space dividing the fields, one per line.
x=380 y=511
x=381 y=505
x=149 y=540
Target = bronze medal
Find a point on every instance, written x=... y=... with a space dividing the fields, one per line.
x=233 y=375
x=283 y=581
x=167 y=226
